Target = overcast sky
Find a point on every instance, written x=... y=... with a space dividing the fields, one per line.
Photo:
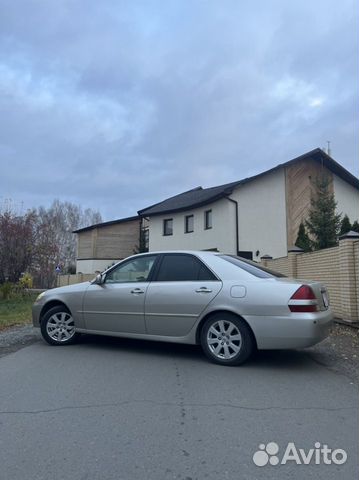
x=116 y=105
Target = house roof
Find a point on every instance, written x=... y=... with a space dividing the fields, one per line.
x=195 y=197
x=106 y=224
x=199 y=196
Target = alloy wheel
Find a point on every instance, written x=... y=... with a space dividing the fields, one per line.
x=60 y=327
x=224 y=339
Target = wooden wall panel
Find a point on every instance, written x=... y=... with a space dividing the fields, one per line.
x=299 y=189
x=113 y=241
x=84 y=244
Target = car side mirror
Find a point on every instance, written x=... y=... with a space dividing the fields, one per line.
x=99 y=279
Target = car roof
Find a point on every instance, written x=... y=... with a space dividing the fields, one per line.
x=210 y=258
x=223 y=269
x=199 y=253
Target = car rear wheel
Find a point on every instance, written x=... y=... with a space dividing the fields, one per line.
x=226 y=339
x=58 y=326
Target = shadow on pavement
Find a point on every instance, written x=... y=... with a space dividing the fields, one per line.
x=292 y=359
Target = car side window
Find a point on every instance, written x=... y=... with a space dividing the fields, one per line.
x=181 y=268
x=135 y=270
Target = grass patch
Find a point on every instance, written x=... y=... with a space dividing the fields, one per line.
x=16 y=310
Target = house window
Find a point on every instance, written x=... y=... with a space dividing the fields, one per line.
x=168 y=226
x=207 y=219
x=188 y=224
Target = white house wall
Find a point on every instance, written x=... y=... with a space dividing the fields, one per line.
x=262 y=219
x=347 y=198
x=262 y=215
x=222 y=235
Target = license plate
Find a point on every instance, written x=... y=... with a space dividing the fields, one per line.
x=325 y=299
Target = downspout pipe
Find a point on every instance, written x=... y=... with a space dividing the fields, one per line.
x=236 y=212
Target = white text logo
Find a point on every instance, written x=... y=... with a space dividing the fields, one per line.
x=321 y=454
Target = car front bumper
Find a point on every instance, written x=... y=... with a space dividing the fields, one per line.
x=36 y=310
x=297 y=330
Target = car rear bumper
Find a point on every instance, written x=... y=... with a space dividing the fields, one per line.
x=297 y=330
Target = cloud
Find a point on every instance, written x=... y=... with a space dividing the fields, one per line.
x=116 y=105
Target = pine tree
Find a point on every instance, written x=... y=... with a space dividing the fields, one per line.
x=345 y=226
x=323 y=223
x=303 y=240
x=355 y=226
x=143 y=241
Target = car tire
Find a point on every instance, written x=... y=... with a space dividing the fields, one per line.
x=226 y=339
x=58 y=327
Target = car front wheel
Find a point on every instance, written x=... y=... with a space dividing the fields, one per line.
x=226 y=339
x=58 y=326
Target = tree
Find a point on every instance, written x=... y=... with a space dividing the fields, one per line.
x=142 y=246
x=323 y=222
x=41 y=239
x=46 y=251
x=345 y=225
x=355 y=226
x=65 y=217
x=16 y=244
x=55 y=242
x=303 y=240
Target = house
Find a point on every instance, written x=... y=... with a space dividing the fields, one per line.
x=256 y=216
x=103 y=244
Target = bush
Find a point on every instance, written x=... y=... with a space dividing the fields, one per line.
x=71 y=269
x=26 y=281
x=6 y=290
x=19 y=290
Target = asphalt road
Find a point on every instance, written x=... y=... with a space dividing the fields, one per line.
x=120 y=409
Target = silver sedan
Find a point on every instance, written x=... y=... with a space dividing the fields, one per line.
x=229 y=305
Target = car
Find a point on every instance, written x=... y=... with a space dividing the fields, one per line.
x=229 y=305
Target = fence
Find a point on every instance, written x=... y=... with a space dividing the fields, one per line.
x=337 y=268
x=63 y=280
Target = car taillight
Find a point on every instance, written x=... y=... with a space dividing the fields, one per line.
x=303 y=300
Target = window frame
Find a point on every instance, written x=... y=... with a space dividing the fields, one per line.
x=157 y=267
x=206 y=227
x=128 y=260
x=186 y=218
x=165 y=220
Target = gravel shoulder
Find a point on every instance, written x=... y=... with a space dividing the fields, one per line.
x=15 y=338
x=339 y=352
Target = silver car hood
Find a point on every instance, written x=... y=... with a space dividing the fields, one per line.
x=77 y=287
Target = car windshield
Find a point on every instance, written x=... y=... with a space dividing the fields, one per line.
x=251 y=267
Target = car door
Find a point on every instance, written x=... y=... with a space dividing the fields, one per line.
x=117 y=305
x=181 y=289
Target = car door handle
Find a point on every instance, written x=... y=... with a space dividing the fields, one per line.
x=137 y=291
x=203 y=290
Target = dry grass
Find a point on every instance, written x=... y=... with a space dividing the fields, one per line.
x=16 y=310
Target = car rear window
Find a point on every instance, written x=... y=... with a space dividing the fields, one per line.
x=251 y=267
